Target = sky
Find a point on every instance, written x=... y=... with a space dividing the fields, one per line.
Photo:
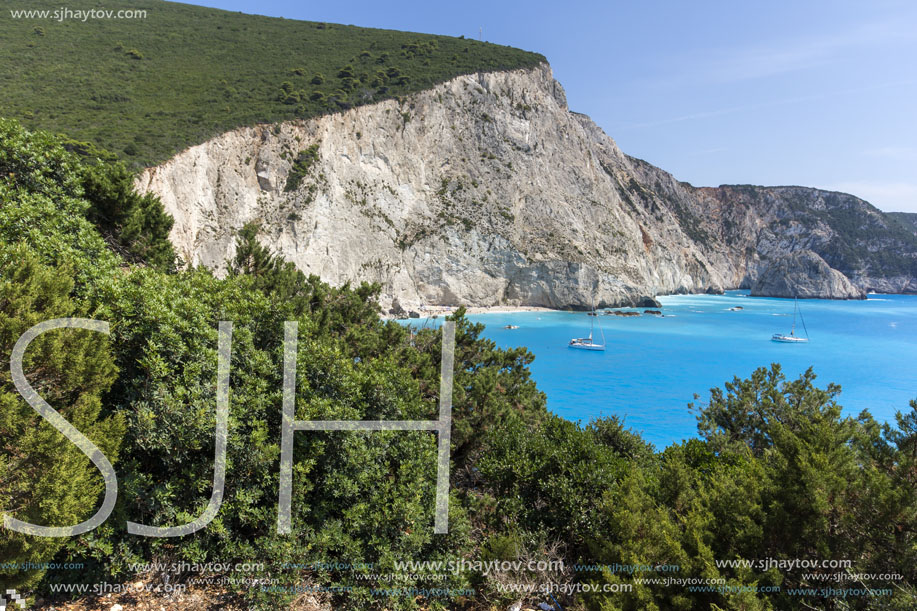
x=814 y=93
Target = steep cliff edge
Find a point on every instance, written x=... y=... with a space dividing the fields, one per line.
x=487 y=190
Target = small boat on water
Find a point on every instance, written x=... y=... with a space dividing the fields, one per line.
x=511 y=327
x=792 y=338
x=587 y=343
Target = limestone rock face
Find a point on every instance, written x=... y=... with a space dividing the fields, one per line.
x=759 y=224
x=805 y=275
x=484 y=190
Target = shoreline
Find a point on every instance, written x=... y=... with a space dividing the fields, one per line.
x=430 y=311
x=509 y=309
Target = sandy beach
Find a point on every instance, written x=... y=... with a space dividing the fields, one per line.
x=427 y=311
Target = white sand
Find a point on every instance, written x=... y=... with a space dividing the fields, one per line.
x=429 y=311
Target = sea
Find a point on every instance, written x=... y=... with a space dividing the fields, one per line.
x=654 y=365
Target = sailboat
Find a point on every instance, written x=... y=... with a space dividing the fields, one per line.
x=792 y=338
x=587 y=343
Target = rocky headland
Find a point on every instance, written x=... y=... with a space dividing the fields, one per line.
x=487 y=190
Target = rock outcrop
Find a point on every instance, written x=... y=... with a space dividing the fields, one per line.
x=805 y=275
x=488 y=190
x=761 y=224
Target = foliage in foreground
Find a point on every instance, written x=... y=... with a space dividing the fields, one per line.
x=777 y=471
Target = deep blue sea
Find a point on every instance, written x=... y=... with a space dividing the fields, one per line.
x=653 y=365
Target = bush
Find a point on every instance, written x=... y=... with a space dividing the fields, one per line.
x=301 y=166
x=291 y=98
x=136 y=225
x=44 y=478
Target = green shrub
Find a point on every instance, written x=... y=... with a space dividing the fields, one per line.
x=44 y=478
x=137 y=225
x=301 y=166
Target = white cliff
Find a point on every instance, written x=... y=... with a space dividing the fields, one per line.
x=805 y=275
x=484 y=190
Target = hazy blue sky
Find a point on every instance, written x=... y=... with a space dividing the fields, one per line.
x=819 y=94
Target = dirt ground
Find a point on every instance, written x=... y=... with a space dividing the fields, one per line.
x=138 y=598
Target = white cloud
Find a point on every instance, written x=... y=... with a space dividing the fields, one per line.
x=888 y=196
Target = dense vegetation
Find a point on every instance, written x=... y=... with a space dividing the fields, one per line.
x=148 y=88
x=777 y=471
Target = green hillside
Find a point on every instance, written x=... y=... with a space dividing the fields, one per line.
x=906 y=219
x=148 y=88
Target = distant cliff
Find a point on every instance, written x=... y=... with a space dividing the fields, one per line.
x=488 y=190
x=868 y=246
x=804 y=274
x=907 y=219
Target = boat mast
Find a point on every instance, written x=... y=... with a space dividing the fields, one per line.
x=795 y=306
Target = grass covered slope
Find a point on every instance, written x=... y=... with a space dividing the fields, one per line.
x=148 y=88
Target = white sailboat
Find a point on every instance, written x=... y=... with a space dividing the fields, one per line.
x=792 y=338
x=587 y=343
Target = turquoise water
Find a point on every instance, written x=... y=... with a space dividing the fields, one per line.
x=653 y=365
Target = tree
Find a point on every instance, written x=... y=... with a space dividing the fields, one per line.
x=136 y=225
x=50 y=190
x=827 y=484
x=44 y=478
